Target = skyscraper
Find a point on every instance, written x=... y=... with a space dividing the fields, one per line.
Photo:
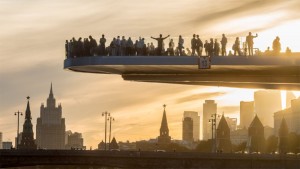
x=27 y=141
x=209 y=108
x=196 y=123
x=266 y=103
x=187 y=129
x=291 y=116
x=223 y=136
x=50 y=127
x=164 y=137
x=246 y=113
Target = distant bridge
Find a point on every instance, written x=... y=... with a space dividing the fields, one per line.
x=140 y=160
x=265 y=72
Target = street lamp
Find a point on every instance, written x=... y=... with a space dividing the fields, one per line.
x=213 y=122
x=18 y=114
x=110 y=119
x=105 y=114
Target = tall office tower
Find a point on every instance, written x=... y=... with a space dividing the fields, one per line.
x=209 y=108
x=196 y=123
x=289 y=97
x=187 y=129
x=246 y=113
x=266 y=103
x=50 y=127
x=164 y=137
x=291 y=115
x=27 y=141
x=0 y=140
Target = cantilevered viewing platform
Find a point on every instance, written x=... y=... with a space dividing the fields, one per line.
x=265 y=72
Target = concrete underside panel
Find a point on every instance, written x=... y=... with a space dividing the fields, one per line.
x=242 y=72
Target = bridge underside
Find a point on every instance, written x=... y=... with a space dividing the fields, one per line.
x=278 y=73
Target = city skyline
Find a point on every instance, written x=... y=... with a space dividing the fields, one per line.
x=32 y=52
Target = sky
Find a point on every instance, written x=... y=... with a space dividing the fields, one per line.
x=32 y=36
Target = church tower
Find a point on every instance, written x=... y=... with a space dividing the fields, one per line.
x=50 y=127
x=164 y=137
x=223 y=136
x=27 y=141
x=256 y=138
x=283 y=137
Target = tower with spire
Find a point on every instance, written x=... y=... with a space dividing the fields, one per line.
x=164 y=137
x=27 y=141
x=50 y=127
x=223 y=136
x=283 y=137
x=256 y=138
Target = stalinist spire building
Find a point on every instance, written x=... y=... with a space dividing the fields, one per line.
x=50 y=127
x=164 y=137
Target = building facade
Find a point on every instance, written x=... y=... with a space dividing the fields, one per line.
x=0 y=140
x=187 y=129
x=75 y=141
x=291 y=115
x=196 y=123
x=7 y=145
x=256 y=137
x=223 y=136
x=246 y=113
x=50 y=127
x=209 y=108
x=239 y=136
x=267 y=102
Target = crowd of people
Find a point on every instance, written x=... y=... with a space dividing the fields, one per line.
x=120 y=46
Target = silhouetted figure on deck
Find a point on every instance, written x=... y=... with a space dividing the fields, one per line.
x=171 y=48
x=216 y=48
x=113 y=47
x=152 y=49
x=223 y=43
x=211 y=47
x=129 y=47
x=80 y=47
x=249 y=41
x=276 y=46
x=93 y=45
x=193 y=44
x=67 y=49
x=160 y=43
x=180 y=45
x=118 y=46
x=123 y=46
x=288 y=51
x=206 y=47
x=199 y=46
x=236 y=47
x=102 y=45
x=86 y=47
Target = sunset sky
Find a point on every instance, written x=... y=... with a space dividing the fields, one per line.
x=32 y=36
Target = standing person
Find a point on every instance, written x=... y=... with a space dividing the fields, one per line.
x=67 y=49
x=152 y=49
x=216 y=48
x=80 y=47
x=206 y=47
x=129 y=47
x=211 y=48
x=123 y=46
x=180 y=45
x=193 y=44
x=171 y=48
x=113 y=47
x=249 y=41
x=86 y=46
x=160 y=40
x=118 y=46
x=236 y=47
x=224 y=43
x=102 y=45
x=93 y=45
x=276 y=46
x=199 y=46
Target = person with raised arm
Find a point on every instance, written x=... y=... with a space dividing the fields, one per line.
x=160 y=40
x=249 y=41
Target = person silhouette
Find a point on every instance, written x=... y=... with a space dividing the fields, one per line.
x=276 y=46
x=223 y=44
x=193 y=44
x=249 y=41
x=102 y=42
x=160 y=40
x=180 y=45
x=199 y=46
